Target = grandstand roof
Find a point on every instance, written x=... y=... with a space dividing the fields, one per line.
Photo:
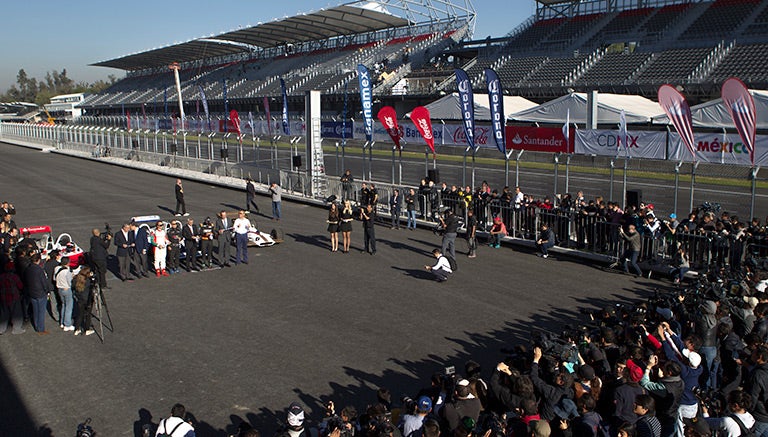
x=637 y=109
x=323 y=24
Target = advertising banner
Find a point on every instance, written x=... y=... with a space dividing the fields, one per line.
x=674 y=105
x=335 y=129
x=366 y=99
x=388 y=118
x=496 y=103
x=650 y=145
x=721 y=149
x=741 y=106
x=538 y=139
x=467 y=103
x=286 y=124
x=420 y=118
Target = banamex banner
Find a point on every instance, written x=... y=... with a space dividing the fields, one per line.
x=538 y=139
x=650 y=145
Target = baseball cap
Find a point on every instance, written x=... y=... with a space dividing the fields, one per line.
x=673 y=216
x=295 y=415
x=693 y=357
x=424 y=404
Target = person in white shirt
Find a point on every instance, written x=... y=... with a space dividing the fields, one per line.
x=442 y=268
x=176 y=426
x=241 y=227
x=160 y=243
x=738 y=401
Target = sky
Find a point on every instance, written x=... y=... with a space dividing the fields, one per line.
x=70 y=35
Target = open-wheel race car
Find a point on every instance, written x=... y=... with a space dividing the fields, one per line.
x=257 y=238
x=43 y=238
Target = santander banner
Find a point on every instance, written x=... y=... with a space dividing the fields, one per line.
x=741 y=106
x=388 y=118
x=679 y=113
x=538 y=139
x=420 y=118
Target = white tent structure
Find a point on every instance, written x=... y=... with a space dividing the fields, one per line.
x=636 y=108
x=714 y=114
x=448 y=107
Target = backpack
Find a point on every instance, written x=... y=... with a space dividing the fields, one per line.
x=745 y=432
x=165 y=432
x=452 y=262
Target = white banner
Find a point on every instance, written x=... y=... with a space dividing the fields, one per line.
x=649 y=145
x=719 y=148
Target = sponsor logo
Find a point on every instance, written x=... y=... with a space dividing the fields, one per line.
x=716 y=146
x=480 y=136
x=426 y=131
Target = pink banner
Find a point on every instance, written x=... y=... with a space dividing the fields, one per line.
x=388 y=118
x=679 y=113
x=741 y=106
x=420 y=118
x=269 y=116
x=234 y=118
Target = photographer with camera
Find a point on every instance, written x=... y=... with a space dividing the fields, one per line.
x=555 y=397
x=738 y=422
x=98 y=253
x=82 y=286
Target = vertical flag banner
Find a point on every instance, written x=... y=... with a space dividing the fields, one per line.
x=286 y=124
x=344 y=115
x=496 y=103
x=226 y=103
x=165 y=102
x=253 y=125
x=269 y=116
x=366 y=98
x=674 y=105
x=234 y=117
x=420 y=118
x=467 y=102
x=205 y=106
x=128 y=115
x=567 y=127
x=623 y=131
x=388 y=118
x=741 y=106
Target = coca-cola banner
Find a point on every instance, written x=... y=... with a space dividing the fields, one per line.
x=538 y=139
x=650 y=145
x=719 y=148
x=388 y=118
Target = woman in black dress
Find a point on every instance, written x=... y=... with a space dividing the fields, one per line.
x=346 y=225
x=333 y=226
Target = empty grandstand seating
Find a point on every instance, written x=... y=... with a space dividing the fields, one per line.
x=721 y=19
x=554 y=71
x=614 y=68
x=746 y=62
x=672 y=65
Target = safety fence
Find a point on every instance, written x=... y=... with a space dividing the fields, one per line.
x=575 y=231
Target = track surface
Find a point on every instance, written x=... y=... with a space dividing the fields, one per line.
x=297 y=323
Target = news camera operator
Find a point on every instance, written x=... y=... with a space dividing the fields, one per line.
x=98 y=253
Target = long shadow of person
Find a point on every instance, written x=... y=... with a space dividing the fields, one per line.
x=415 y=273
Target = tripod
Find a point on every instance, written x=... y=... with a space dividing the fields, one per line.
x=101 y=311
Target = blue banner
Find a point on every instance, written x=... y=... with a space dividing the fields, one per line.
x=496 y=103
x=286 y=124
x=467 y=104
x=336 y=129
x=205 y=106
x=344 y=115
x=165 y=102
x=366 y=99
x=226 y=104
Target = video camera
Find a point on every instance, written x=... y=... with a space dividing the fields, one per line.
x=107 y=234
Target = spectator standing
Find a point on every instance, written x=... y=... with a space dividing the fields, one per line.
x=413 y=423
x=250 y=196
x=63 y=277
x=450 y=223
x=191 y=235
x=141 y=239
x=10 y=299
x=368 y=216
x=333 y=226
x=632 y=252
x=346 y=217
x=82 y=286
x=346 y=185
x=36 y=287
x=241 y=228
x=125 y=243
x=179 y=191
x=223 y=230
x=394 y=208
x=471 y=234
x=464 y=404
x=276 y=193
x=410 y=209
x=206 y=241
x=174 y=247
x=757 y=387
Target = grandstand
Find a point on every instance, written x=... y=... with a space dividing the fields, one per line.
x=626 y=46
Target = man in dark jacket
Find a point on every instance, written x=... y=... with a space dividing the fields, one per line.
x=223 y=230
x=142 y=246
x=179 y=191
x=464 y=404
x=550 y=394
x=98 y=253
x=250 y=196
x=125 y=243
x=546 y=240
x=632 y=252
x=36 y=287
x=191 y=235
x=757 y=387
x=706 y=329
x=667 y=393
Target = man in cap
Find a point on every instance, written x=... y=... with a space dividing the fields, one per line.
x=295 y=425
x=412 y=424
x=464 y=404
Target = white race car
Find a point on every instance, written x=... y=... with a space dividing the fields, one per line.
x=44 y=241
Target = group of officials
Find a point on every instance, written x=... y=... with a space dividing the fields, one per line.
x=168 y=244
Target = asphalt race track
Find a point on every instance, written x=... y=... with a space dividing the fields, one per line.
x=297 y=323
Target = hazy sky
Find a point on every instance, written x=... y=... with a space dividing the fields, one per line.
x=52 y=35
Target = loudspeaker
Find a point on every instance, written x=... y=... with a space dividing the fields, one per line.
x=297 y=161
x=224 y=153
x=634 y=197
x=174 y=148
x=433 y=175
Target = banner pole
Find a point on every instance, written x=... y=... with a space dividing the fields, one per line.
x=506 y=170
x=517 y=168
x=754 y=172
x=370 y=160
x=610 y=189
x=567 y=171
x=557 y=165
x=677 y=184
x=473 y=169
x=464 y=169
x=393 y=165
x=365 y=165
x=624 y=184
x=400 y=166
x=426 y=161
x=693 y=182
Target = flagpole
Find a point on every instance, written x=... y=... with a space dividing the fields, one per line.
x=464 y=169
x=693 y=182
x=753 y=173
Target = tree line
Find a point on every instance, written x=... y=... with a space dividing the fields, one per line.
x=40 y=91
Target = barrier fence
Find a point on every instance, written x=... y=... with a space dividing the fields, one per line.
x=575 y=230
